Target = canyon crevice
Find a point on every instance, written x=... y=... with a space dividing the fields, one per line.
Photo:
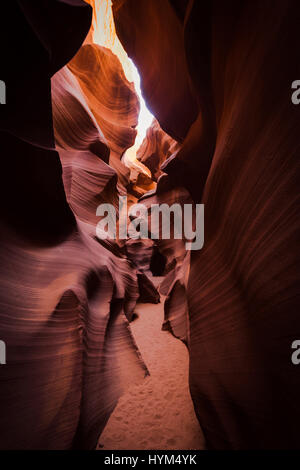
x=216 y=75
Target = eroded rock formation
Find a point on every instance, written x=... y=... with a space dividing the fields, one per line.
x=65 y=298
x=229 y=101
x=217 y=77
x=156 y=148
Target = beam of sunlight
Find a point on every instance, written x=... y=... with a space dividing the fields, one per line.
x=104 y=34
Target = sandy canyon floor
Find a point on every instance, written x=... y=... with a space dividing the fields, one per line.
x=158 y=413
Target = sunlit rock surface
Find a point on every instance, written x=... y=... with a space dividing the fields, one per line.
x=111 y=99
x=240 y=157
x=156 y=148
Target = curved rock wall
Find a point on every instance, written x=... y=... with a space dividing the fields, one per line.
x=156 y=148
x=217 y=76
x=65 y=298
x=239 y=157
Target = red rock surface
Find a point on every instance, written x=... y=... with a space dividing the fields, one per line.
x=111 y=99
x=239 y=157
x=217 y=76
x=65 y=298
x=152 y=35
x=156 y=148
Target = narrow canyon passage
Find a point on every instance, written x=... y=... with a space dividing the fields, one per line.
x=158 y=413
x=116 y=111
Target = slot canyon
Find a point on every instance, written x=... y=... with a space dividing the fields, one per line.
x=125 y=343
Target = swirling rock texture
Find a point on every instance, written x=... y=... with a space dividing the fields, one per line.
x=177 y=260
x=65 y=298
x=111 y=99
x=217 y=76
x=156 y=148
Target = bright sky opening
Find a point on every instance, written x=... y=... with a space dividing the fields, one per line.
x=105 y=35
